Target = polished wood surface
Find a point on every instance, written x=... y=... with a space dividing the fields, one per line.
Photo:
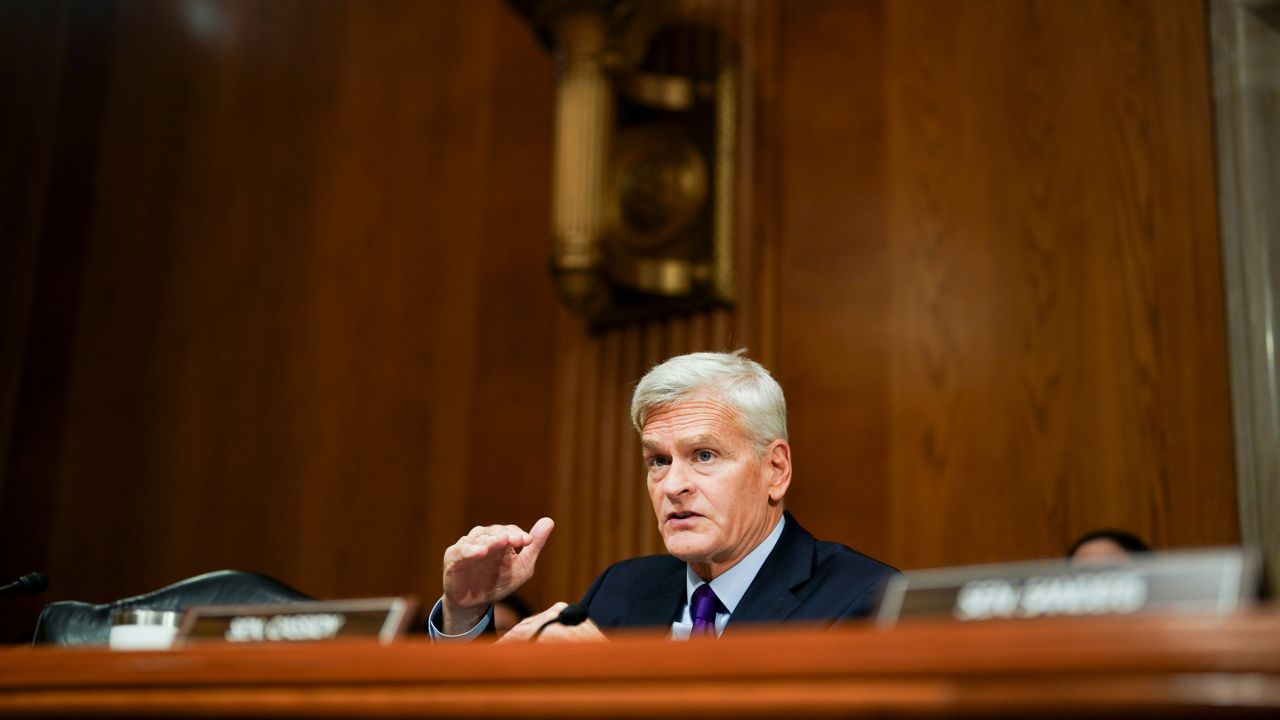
x=1195 y=666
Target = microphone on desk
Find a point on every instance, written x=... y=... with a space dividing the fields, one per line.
x=570 y=616
x=30 y=584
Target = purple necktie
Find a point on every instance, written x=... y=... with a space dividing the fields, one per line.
x=703 y=609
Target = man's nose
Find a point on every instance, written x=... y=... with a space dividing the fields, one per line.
x=678 y=479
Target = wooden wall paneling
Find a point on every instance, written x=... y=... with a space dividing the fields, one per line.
x=31 y=48
x=556 y=564
x=1026 y=237
x=628 y=473
x=999 y=309
x=194 y=305
x=408 y=246
x=1189 y=285
x=653 y=352
x=586 y=484
x=1179 y=359
x=517 y=326
x=760 y=136
x=960 y=307
x=49 y=153
x=1127 y=308
x=311 y=276
x=1014 y=336
x=612 y=425
x=1147 y=207
x=831 y=268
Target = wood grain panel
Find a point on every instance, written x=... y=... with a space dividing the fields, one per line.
x=952 y=361
x=47 y=150
x=832 y=270
x=1000 y=277
x=315 y=269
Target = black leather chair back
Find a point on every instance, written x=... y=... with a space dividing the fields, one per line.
x=73 y=623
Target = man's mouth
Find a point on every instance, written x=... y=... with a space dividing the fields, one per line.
x=684 y=515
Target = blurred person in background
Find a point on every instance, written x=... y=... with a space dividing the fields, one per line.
x=1106 y=545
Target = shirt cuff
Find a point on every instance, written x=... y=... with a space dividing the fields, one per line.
x=436 y=619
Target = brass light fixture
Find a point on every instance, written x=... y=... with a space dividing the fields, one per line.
x=644 y=176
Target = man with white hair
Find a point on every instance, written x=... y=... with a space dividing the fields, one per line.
x=713 y=430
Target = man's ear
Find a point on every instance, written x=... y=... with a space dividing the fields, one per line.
x=778 y=469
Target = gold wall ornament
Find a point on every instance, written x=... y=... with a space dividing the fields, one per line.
x=644 y=183
x=657 y=186
x=584 y=109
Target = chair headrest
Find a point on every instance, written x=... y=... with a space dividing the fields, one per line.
x=72 y=623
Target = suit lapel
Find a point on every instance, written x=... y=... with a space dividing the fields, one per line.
x=769 y=599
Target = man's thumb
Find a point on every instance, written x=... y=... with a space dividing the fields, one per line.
x=539 y=533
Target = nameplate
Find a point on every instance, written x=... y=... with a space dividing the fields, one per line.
x=1214 y=581
x=381 y=618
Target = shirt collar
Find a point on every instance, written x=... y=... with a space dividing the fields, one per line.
x=732 y=584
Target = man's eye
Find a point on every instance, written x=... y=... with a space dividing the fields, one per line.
x=704 y=455
x=657 y=461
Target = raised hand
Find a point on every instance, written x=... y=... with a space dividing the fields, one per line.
x=486 y=565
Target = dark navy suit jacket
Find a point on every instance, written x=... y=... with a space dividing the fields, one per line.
x=802 y=580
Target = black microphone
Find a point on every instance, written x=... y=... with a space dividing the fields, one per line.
x=29 y=584
x=570 y=616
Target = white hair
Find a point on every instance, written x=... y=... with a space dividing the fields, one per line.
x=742 y=384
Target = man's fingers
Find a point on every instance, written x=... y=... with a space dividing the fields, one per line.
x=583 y=632
x=472 y=547
x=538 y=535
x=515 y=536
x=475 y=551
x=546 y=616
x=528 y=627
x=485 y=540
x=554 y=610
x=498 y=542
